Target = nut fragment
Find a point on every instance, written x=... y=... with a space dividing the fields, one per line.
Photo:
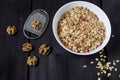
x=32 y=61
x=11 y=30
x=44 y=50
x=26 y=47
x=36 y=24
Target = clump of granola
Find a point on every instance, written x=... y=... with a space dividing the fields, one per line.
x=11 y=30
x=36 y=24
x=26 y=47
x=44 y=49
x=32 y=61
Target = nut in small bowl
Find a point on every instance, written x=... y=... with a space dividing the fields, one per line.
x=81 y=28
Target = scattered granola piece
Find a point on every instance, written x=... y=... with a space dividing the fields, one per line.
x=114 y=63
x=105 y=56
x=101 y=56
x=26 y=47
x=96 y=59
x=99 y=78
x=117 y=61
x=98 y=73
x=11 y=30
x=91 y=62
x=84 y=66
x=104 y=71
x=112 y=35
x=100 y=52
x=109 y=74
x=115 y=69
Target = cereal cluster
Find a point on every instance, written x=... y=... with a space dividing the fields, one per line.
x=11 y=30
x=32 y=61
x=26 y=47
x=44 y=49
x=36 y=24
x=80 y=30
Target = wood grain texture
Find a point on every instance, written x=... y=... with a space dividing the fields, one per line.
x=12 y=59
x=112 y=9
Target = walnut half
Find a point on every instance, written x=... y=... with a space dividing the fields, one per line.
x=11 y=30
x=26 y=47
x=36 y=24
x=32 y=61
x=44 y=50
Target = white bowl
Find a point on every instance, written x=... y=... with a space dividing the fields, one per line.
x=92 y=7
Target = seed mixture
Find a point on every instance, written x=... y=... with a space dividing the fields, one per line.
x=36 y=24
x=32 y=61
x=11 y=30
x=80 y=30
x=44 y=49
x=104 y=67
x=26 y=47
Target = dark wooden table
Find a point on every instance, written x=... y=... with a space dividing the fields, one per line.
x=60 y=64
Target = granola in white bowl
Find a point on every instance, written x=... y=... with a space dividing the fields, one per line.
x=81 y=28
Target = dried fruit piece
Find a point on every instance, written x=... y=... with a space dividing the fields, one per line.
x=11 y=30
x=32 y=61
x=44 y=50
x=26 y=47
x=36 y=24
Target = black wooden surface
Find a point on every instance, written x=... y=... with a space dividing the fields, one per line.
x=60 y=64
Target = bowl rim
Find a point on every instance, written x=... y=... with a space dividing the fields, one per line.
x=60 y=42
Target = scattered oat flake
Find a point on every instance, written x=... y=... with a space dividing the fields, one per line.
x=115 y=69
x=84 y=66
x=101 y=56
x=99 y=78
x=91 y=62
x=105 y=56
x=109 y=74
x=98 y=73
x=113 y=35
x=100 y=52
x=96 y=59
x=114 y=62
x=117 y=61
